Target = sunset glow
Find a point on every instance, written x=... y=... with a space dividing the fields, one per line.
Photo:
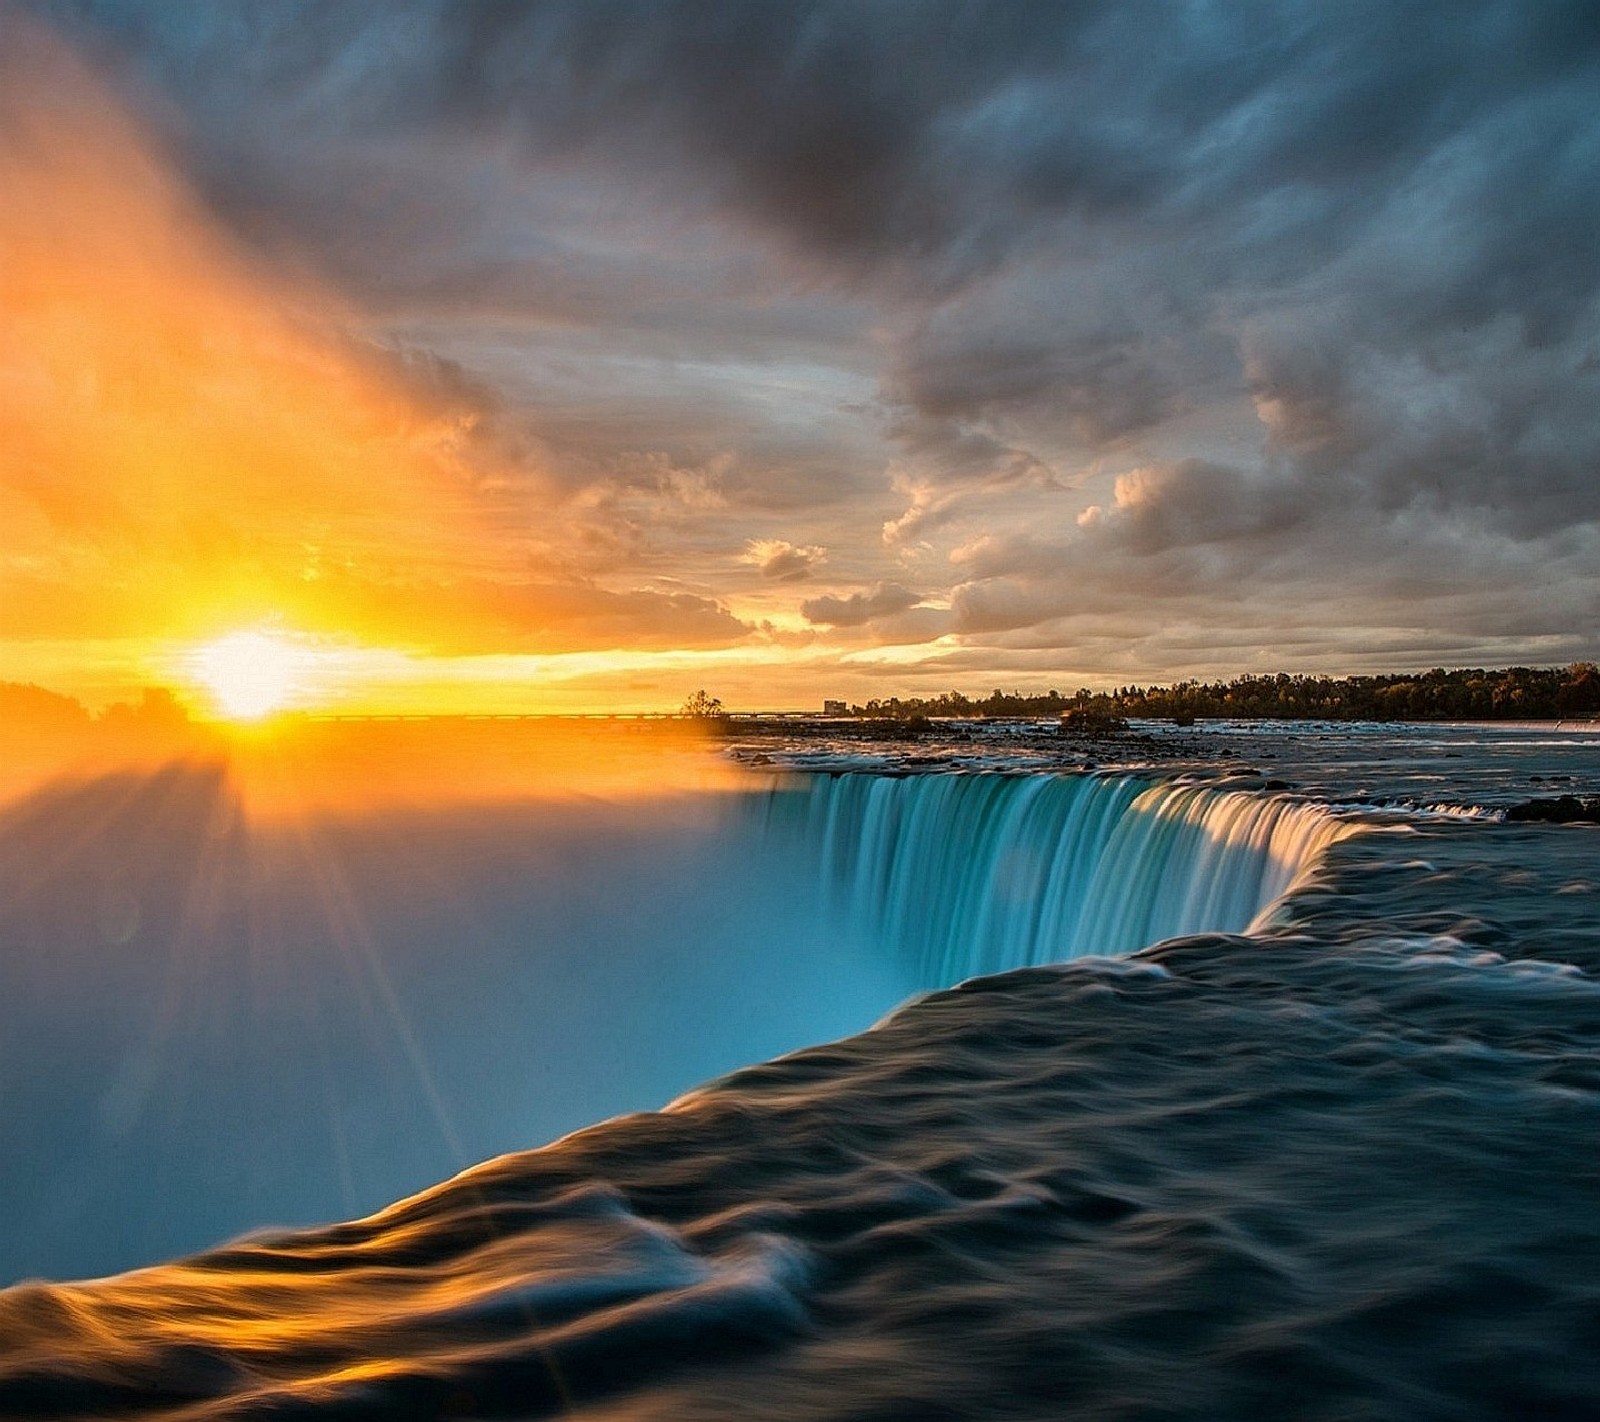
x=525 y=429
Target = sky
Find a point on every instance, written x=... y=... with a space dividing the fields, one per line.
x=579 y=355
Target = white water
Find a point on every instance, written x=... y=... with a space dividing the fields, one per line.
x=968 y=874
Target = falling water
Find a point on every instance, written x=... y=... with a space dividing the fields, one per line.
x=970 y=874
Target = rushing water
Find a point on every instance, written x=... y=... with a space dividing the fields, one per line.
x=968 y=874
x=1332 y=1158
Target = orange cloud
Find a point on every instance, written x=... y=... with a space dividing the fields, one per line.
x=194 y=443
x=188 y=440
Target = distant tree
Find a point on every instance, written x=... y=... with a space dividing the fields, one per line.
x=1434 y=695
x=702 y=706
x=1099 y=717
x=25 y=705
x=157 y=709
x=1579 y=693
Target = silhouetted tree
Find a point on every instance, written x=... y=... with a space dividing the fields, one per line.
x=701 y=706
x=1466 y=694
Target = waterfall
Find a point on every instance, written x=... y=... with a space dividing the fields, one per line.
x=963 y=874
x=309 y=1018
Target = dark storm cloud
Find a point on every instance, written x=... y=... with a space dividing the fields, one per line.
x=1190 y=504
x=1314 y=284
x=933 y=139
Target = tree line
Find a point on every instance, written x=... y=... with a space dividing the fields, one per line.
x=1468 y=694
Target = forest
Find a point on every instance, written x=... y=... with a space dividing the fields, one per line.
x=1472 y=694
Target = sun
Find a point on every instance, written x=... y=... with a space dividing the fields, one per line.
x=249 y=674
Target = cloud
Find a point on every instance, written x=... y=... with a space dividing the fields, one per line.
x=776 y=558
x=1145 y=316
x=182 y=431
x=1191 y=503
x=885 y=600
x=193 y=440
x=472 y=616
x=946 y=469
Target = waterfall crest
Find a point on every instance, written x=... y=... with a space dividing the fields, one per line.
x=964 y=874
